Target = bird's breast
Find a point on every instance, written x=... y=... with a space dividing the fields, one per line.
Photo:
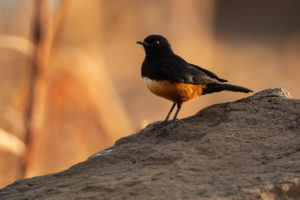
x=176 y=92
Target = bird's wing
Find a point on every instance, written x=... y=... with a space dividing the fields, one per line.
x=211 y=74
x=178 y=70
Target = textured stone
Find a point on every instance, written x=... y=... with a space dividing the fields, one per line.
x=247 y=149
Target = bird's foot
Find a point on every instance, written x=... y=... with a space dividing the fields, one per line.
x=159 y=124
x=169 y=125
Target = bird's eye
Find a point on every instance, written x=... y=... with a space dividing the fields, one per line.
x=157 y=42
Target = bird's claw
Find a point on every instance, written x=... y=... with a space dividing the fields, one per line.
x=163 y=133
x=169 y=126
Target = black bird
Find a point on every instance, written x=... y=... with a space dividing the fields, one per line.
x=168 y=75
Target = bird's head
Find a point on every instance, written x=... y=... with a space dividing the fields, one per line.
x=155 y=46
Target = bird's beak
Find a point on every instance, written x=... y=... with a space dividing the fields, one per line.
x=142 y=43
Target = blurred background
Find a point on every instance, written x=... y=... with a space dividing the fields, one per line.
x=70 y=69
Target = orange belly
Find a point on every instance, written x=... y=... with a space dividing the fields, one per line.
x=176 y=92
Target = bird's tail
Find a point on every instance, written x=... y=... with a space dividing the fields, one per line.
x=217 y=87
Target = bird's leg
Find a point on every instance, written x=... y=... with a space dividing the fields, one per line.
x=177 y=111
x=167 y=118
x=165 y=131
x=160 y=124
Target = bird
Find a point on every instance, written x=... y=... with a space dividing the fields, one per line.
x=169 y=76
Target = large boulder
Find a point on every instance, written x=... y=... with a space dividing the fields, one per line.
x=247 y=149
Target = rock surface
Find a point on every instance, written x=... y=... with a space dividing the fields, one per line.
x=247 y=149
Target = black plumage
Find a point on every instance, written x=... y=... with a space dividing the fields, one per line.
x=162 y=64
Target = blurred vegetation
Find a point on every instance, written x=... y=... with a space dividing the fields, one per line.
x=70 y=69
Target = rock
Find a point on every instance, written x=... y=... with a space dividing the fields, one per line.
x=247 y=149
